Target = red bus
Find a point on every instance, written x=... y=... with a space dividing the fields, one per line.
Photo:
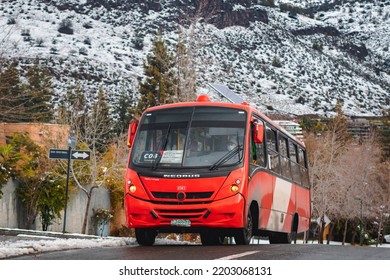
x=217 y=169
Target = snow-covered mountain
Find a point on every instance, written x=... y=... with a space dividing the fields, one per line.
x=288 y=56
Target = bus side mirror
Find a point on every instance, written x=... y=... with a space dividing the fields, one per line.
x=258 y=134
x=131 y=133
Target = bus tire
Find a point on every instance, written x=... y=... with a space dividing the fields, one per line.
x=244 y=235
x=145 y=237
x=280 y=238
x=211 y=238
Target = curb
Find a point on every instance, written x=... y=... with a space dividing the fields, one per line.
x=16 y=232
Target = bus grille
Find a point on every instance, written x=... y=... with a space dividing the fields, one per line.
x=189 y=195
x=181 y=214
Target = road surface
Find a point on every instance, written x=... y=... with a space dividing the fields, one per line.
x=198 y=252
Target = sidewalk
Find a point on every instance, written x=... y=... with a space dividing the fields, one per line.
x=14 y=235
x=8 y=233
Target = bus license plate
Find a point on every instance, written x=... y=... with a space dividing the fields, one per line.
x=181 y=223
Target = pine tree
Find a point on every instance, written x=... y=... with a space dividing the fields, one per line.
x=100 y=123
x=11 y=107
x=124 y=109
x=64 y=107
x=38 y=93
x=338 y=127
x=159 y=84
x=72 y=109
x=29 y=101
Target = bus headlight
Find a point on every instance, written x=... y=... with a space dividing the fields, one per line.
x=234 y=188
x=132 y=188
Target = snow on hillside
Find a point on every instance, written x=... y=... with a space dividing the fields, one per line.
x=267 y=63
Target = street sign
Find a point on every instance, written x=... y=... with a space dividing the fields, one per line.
x=81 y=155
x=326 y=221
x=74 y=154
x=58 y=154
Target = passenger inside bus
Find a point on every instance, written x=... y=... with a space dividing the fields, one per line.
x=195 y=148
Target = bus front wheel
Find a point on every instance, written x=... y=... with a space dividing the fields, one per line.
x=244 y=235
x=145 y=237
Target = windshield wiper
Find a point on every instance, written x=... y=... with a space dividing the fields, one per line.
x=227 y=156
x=161 y=147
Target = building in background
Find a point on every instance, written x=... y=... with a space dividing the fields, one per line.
x=291 y=127
x=362 y=127
x=44 y=134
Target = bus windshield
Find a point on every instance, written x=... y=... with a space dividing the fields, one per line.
x=209 y=137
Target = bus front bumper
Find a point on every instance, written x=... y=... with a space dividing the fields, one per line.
x=224 y=213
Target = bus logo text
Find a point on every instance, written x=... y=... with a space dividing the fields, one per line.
x=181 y=176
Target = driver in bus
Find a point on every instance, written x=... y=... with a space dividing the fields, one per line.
x=231 y=144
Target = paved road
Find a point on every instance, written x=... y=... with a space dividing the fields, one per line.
x=198 y=252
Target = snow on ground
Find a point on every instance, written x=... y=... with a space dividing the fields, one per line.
x=30 y=243
x=46 y=244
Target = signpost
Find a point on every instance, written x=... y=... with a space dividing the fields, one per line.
x=74 y=154
x=69 y=155
x=67 y=187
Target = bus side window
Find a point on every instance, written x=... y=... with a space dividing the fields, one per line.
x=285 y=162
x=258 y=149
x=303 y=167
x=295 y=170
x=272 y=150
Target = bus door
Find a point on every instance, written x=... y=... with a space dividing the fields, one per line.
x=260 y=181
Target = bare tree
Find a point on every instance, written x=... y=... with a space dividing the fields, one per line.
x=323 y=166
x=350 y=183
x=324 y=151
x=357 y=168
x=92 y=128
x=185 y=66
